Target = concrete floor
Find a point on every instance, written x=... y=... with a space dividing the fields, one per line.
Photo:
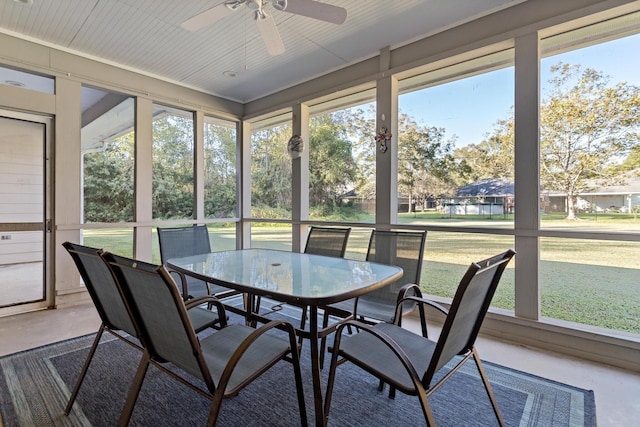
x=617 y=391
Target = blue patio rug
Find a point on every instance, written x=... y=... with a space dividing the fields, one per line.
x=35 y=385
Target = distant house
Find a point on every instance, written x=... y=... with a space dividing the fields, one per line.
x=603 y=197
x=489 y=196
x=495 y=196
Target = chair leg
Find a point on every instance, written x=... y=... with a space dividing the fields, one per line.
x=392 y=389
x=214 y=411
x=323 y=341
x=487 y=386
x=134 y=391
x=426 y=408
x=303 y=322
x=84 y=370
x=332 y=371
x=295 y=357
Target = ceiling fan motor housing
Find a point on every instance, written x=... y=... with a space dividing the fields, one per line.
x=266 y=24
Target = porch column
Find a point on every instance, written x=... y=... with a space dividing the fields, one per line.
x=527 y=167
x=387 y=159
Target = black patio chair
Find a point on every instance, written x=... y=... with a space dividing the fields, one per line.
x=404 y=249
x=179 y=242
x=112 y=309
x=226 y=361
x=408 y=361
x=328 y=241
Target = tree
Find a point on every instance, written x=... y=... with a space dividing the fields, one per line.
x=425 y=162
x=108 y=182
x=494 y=156
x=219 y=171
x=173 y=179
x=332 y=169
x=271 y=171
x=587 y=125
x=632 y=162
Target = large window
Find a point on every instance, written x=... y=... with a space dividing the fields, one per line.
x=271 y=168
x=271 y=236
x=456 y=166
x=271 y=186
x=590 y=121
x=590 y=174
x=108 y=164
x=447 y=256
x=107 y=139
x=220 y=141
x=592 y=282
x=116 y=240
x=173 y=158
x=342 y=160
x=455 y=144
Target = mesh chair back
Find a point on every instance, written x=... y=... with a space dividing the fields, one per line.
x=468 y=309
x=102 y=287
x=327 y=241
x=157 y=307
x=404 y=249
x=180 y=242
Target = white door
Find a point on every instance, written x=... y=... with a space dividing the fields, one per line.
x=24 y=212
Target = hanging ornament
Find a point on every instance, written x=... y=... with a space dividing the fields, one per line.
x=295 y=146
x=383 y=138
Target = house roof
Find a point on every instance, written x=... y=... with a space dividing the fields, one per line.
x=627 y=183
x=488 y=187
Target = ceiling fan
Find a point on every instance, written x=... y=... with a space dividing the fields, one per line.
x=265 y=23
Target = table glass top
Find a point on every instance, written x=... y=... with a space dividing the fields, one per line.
x=291 y=275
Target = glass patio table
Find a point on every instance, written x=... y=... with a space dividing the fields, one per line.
x=289 y=277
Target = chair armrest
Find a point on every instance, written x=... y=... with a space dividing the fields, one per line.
x=425 y=301
x=249 y=340
x=210 y=300
x=408 y=290
x=409 y=287
x=185 y=284
x=383 y=337
x=421 y=304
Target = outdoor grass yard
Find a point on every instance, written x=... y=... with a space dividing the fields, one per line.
x=587 y=221
x=591 y=282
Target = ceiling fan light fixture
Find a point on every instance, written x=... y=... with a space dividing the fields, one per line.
x=266 y=24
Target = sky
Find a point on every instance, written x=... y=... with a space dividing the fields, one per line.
x=469 y=108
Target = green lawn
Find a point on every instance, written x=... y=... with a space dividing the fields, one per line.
x=591 y=282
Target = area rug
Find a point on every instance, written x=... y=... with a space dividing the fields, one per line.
x=35 y=386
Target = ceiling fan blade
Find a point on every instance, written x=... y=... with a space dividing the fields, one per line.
x=270 y=35
x=207 y=17
x=317 y=10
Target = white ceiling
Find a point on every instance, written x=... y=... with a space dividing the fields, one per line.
x=146 y=36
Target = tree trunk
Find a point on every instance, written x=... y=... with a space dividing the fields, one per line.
x=571 y=207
